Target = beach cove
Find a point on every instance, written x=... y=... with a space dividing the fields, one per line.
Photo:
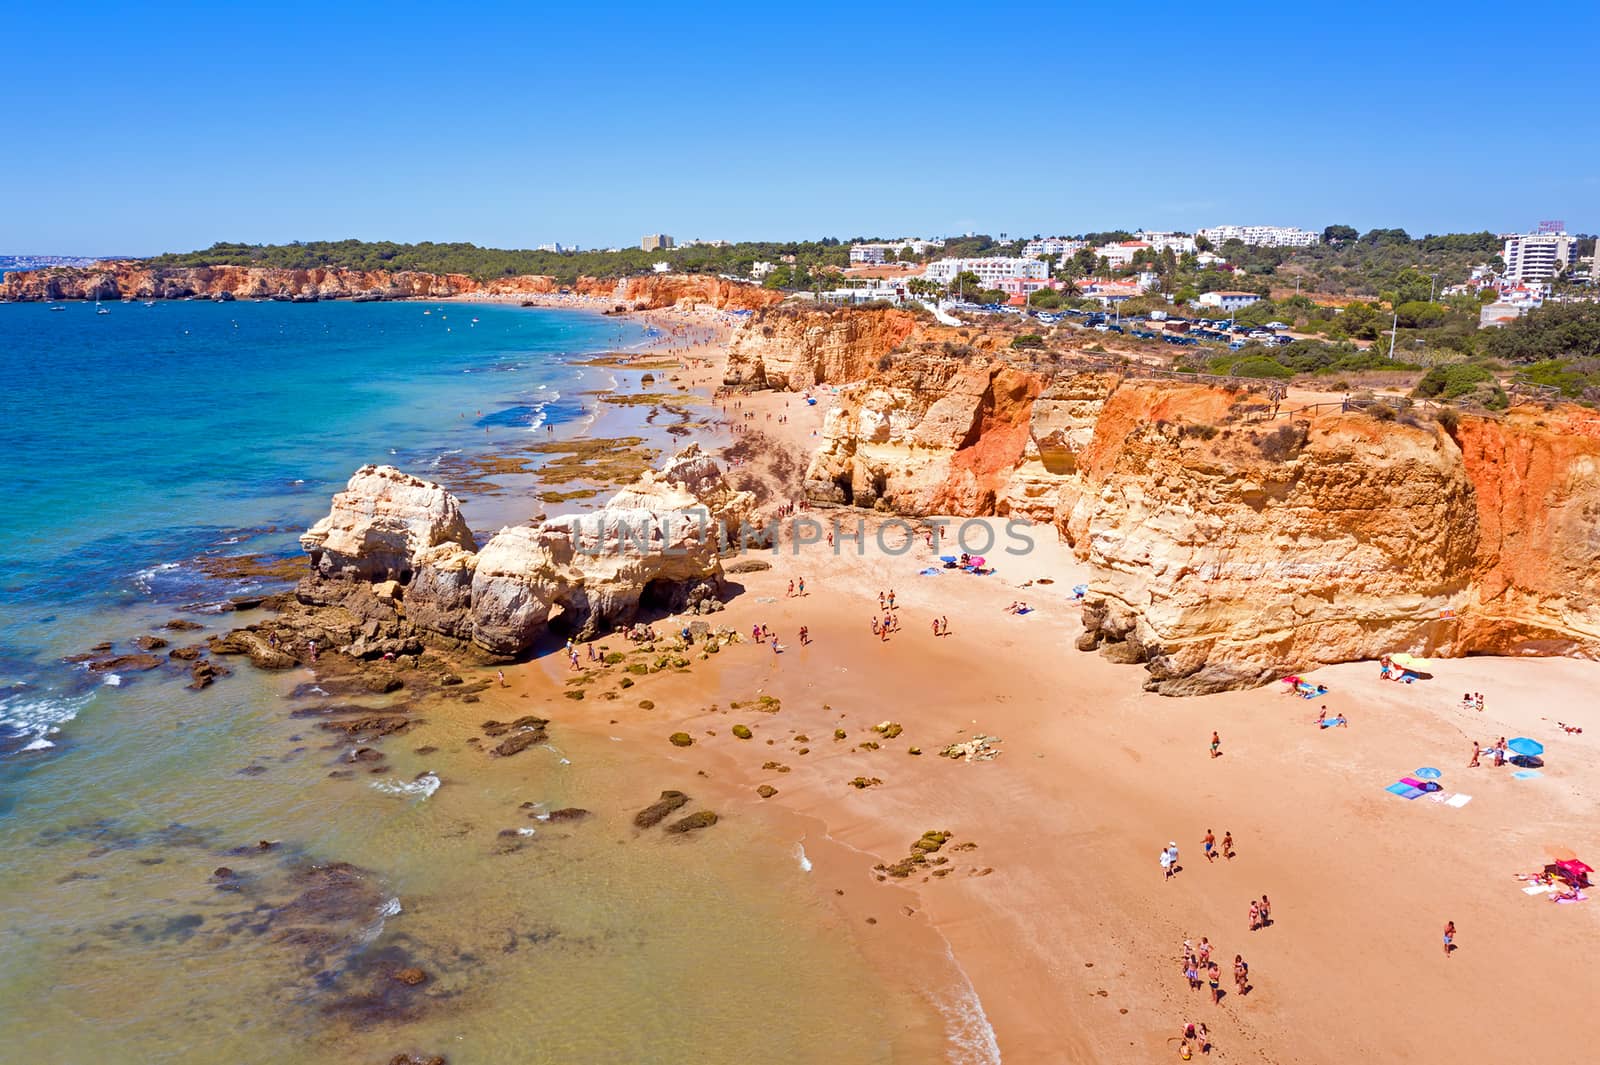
x=1040 y=929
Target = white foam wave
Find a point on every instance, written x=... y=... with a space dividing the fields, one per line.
x=143 y=578
x=969 y=1038
x=564 y=759
x=113 y=680
x=423 y=787
x=38 y=716
x=389 y=909
x=526 y=832
x=800 y=853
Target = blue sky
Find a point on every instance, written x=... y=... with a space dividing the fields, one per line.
x=134 y=129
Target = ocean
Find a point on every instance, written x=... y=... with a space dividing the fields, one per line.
x=426 y=908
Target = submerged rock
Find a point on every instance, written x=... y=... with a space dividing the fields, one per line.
x=658 y=811
x=697 y=820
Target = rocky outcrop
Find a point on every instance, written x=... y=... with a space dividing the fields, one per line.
x=135 y=279
x=1224 y=558
x=795 y=348
x=381 y=525
x=395 y=558
x=684 y=291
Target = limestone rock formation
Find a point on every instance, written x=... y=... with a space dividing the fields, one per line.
x=381 y=524
x=394 y=555
x=793 y=348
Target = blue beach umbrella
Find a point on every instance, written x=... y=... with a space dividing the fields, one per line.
x=1428 y=773
x=1523 y=745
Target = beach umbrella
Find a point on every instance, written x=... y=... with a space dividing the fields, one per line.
x=1524 y=746
x=1405 y=661
x=977 y=560
x=1428 y=773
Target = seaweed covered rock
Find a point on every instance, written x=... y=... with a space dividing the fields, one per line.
x=658 y=811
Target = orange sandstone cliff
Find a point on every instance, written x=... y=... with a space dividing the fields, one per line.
x=1225 y=552
x=139 y=280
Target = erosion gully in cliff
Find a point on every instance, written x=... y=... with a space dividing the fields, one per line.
x=396 y=554
x=1224 y=552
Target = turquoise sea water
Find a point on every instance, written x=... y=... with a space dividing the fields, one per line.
x=144 y=439
x=141 y=439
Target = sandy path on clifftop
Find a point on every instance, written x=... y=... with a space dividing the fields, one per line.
x=1072 y=941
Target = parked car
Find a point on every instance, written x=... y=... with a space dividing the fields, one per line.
x=1276 y=325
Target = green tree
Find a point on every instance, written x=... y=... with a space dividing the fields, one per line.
x=1339 y=234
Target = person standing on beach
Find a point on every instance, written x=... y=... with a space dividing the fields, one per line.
x=802 y=586
x=874 y=624
x=1166 y=864
x=891 y=598
x=1214 y=977
x=1216 y=744
x=1266 y=912
x=790 y=593
x=1255 y=916
x=1476 y=750
x=1241 y=973
x=502 y=675
x=1210 y=843
x=1449 y=937
x=944 y=623
x=1227 y=845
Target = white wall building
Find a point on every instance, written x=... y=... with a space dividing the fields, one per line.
x=1537 y=256
x=1262 y=236
x=758 y=270
x=1180 y=243
x=1227 y=301
x=1122 y=253
x=1061 y=246
x=881 y=251
x=990 y=271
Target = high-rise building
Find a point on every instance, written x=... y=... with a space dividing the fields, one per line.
x=1537 y=256
x=656 y=242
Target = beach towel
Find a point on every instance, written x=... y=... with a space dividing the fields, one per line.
x=1330 y=722
x=1581 y=898
x=1026 y=610
x=1404 y=790
x=1413 y=782
x=1537 y=889
x=931 y=571
x=1458 y=801
x=1526 y=774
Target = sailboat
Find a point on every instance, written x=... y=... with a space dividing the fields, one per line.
x=99 y=309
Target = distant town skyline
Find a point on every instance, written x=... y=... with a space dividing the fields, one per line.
x=517 y=128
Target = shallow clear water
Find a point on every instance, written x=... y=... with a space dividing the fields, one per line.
x=142 y=439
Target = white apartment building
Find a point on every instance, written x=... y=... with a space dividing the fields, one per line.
x=1262 y=236
x=990 y=271
x=868 y=254
x=1227 y=301
x=1537 y=256
x=555 y=247
x=760 y=269
x=1122 y=253
x=1180 y=243
x=878 y=252
x=1035 y=249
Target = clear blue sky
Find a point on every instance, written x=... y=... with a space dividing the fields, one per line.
x=139 y=129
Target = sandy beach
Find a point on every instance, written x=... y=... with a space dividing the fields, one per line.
x=1054 y=906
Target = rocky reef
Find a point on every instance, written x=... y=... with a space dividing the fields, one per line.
x=395 y=555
